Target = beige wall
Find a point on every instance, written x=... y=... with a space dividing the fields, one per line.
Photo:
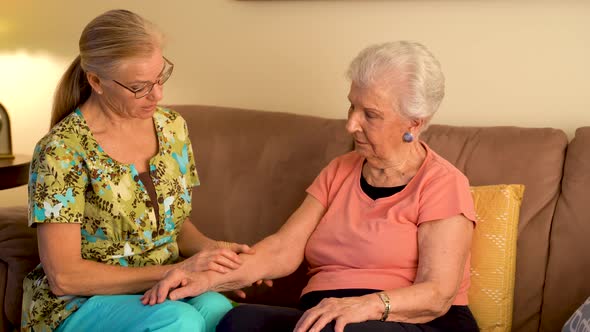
x=516 y=62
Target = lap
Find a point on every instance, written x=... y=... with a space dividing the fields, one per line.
x=127 y=313
x=259 y=318
x=262 y=318
x=209 y=302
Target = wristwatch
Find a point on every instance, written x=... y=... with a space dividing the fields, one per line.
x=383 y=296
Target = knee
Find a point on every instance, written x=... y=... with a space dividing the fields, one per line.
x=212 y=307
x=240 y=318
x=211 y=302
x=179 y=316
x=234 y=319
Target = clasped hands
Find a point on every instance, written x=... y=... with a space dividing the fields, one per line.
x=191 y=276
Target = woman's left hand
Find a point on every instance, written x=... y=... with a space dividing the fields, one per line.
x=219 y=256
x=177 y=284
x=341 y=310
x=241 y=248
x=235 y=247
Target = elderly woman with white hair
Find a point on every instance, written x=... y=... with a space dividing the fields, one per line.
x=386 y=229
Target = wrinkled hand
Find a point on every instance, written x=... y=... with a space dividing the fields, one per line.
x=342 y=311
x=240 y=293
x=267 y=282
x=241 y=248
x=235 y=247
x=177 y=284
x=220 y=257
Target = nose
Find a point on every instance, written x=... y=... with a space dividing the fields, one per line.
x=157 y=92
x=352 y=124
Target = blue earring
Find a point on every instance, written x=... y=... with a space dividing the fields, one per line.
x=408 y=137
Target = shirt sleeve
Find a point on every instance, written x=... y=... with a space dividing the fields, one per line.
x=57 y=184
x=319 y=187
x=444 y=197
x=192 y=176
x=325 y=186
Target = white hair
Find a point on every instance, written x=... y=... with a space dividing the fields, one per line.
x=414 y=63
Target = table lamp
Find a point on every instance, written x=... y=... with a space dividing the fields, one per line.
x=5 y=137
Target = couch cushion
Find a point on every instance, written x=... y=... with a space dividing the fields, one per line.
x=18 y=250
x=259 y=164
x=493 y=255
x=568 y=271
x=530 y=156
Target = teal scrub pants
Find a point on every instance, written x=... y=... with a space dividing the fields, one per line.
x=127 y=313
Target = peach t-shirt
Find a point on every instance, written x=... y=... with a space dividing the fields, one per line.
x=373 y=244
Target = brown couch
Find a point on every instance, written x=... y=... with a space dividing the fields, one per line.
x=255 y=166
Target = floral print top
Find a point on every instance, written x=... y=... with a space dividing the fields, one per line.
x=73 y=180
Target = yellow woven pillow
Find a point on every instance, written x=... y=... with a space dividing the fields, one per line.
x=493 y=255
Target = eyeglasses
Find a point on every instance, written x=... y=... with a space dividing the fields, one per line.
x=145 y=88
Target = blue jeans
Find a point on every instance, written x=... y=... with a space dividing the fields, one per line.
x=127 y=313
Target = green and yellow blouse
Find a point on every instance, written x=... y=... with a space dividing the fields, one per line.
x=72 y=180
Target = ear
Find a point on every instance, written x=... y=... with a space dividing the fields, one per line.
x=416 y=126
x=94 y=82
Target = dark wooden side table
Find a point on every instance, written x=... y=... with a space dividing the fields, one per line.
x=14 y=172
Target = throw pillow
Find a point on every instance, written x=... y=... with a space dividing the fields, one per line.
x=580 y=320
x=493 y=255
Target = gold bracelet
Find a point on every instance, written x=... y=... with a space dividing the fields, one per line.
x=383 y=296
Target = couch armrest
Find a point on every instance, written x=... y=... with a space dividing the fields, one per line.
x=19 y=253
x=4 y=324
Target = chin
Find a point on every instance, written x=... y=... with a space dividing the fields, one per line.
x=145 y=113
x=363 y=150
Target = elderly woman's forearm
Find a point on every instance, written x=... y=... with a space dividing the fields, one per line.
x=272 y=260
x=277 y=257
x=279 y=254
x=419 y=303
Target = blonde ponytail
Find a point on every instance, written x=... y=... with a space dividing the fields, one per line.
x=73 y=89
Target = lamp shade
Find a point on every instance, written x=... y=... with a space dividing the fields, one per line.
x=5 y=137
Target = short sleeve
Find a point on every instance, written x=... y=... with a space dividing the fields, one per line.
x=319 y=188
x=327 y=184
x=192 y=176
x=446 y=196
x=57 y=183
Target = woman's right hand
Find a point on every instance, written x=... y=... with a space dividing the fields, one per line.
x=220 y=257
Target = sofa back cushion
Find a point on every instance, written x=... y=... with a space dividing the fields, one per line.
x=254 y=168
x=500 y=155
x=568 y=270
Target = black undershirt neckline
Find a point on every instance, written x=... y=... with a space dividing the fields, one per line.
x=379 y=192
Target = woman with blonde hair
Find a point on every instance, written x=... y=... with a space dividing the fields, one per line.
x=110 y=194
